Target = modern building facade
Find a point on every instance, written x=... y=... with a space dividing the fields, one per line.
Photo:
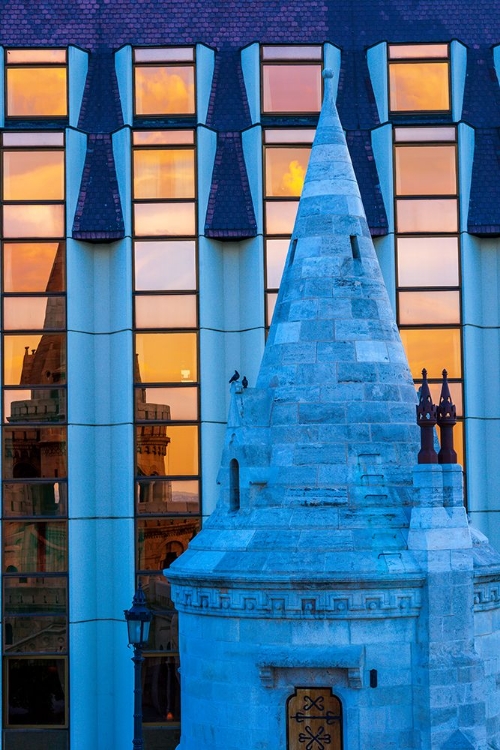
x=152 y=159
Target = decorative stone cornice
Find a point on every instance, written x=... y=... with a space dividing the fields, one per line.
x=350 y=658
x=370 y=602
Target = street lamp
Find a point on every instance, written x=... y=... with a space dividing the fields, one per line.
x=138 y=619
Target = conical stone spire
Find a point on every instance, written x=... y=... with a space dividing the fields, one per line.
x=325 y=443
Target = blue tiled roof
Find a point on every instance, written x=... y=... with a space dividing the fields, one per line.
x=101 y=111
x=98 y=215
x=230 y=212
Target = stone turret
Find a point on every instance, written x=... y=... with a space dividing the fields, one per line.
x=330 y=595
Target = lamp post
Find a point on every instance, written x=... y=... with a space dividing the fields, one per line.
x=138 y=619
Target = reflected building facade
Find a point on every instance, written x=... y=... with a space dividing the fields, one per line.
x=150 y=178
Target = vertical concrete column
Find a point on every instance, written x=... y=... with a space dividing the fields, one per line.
x=101 y=496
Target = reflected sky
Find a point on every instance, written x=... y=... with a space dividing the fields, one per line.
x=164 y=173
x=428 y=261
x=36 y=92
x=155 y=219
x=285 y=171
x=434 y=350
x=43 y=220
x=426 y=170
x=33 y=175
x=165 y=265
x=425 y=308
x=419 y=86
x=27 y=266
x=291 y=88
x=280 y=216
x=164 y=90
x=167 y=357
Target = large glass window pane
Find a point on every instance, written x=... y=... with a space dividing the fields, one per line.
x=37 y=594
x=168 y=266
x=161 y=690
x=34 y=547
x=280 y=216
x=33 y=220
x=291 y=88
x=165 y=311
x=167 y=357
x=36 y=691
x=164 y=90
x=426 y=170
x=31 y=453
x=419 y=86
x=33 y=175
x=435 y=349
x=34 y=313
x=31 y=359
x=164 y=173
x=428 y=261
x=170 y=219
x=285 y=171
x=40 y=634
x=36 y=92
x=33 y=267
x=175 y=403
x=35 y=499
x=160 y=496
x=40 y=405
x=276 y=252
x=167 y=450
x=423 y=308
x=160 y=541
x=427 y=215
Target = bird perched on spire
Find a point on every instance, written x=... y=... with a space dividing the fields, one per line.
x=244 y=382
x=235 y=377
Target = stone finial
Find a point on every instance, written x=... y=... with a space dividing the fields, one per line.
x=446 y=419
x=426 y=420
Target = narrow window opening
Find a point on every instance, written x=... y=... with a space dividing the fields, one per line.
x=234 y=485
x=355 y=247
x=292 y=251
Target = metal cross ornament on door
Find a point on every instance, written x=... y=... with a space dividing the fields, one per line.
x=314 y=720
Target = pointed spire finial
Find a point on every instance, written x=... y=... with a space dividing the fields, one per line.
x=426 y=420
x=447 y=419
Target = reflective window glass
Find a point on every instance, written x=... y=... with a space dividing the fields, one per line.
x=292 y=52
x=34 y=452
x=428 y=261
x=167 y=450
x=31 y=55
x=30 y=547
x=280 y=216
x=35 y=499
x=41 y=405
x=31 y=359
x=408 y=51
x=425 y=170
x=276 y=252
x=164 y=90
x=37 y=594
x=167 y=357
x=164 y=173
x=33 y=220
x=34 y=313
x=290 y=135
x=36 y=92
x=160 y=541
x=434 y=349
x=159 y=496
x=291 y=88
x=165 y=265
x=424 y=134
x=424 y=308
x=169 y=219
x=33 y=267
x=285 y=171
x=165 y=311
x=40 y=634
x=161 y=690
x=271 y=298
x=162 y=137
x=33 y=175
x=164 y=54
x=419 y=86
x=166 y=403
x=427 y=215
x=35 y=691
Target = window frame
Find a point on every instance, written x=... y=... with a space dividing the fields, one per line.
x=35 y=65
x=162 y=116
x=412 y=61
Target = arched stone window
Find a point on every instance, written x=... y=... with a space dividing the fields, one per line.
x=314 y=719
x=234 y=485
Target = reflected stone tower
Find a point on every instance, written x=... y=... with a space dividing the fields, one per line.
x=337 y=597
